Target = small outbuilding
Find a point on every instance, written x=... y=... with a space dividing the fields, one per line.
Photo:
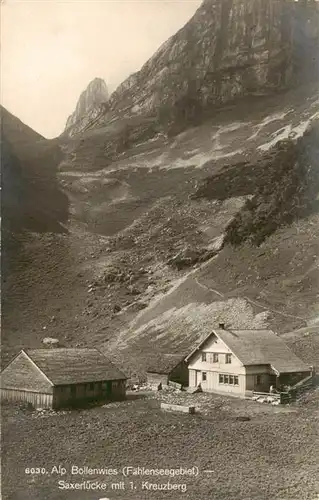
x=167 y=368
x=62 y=378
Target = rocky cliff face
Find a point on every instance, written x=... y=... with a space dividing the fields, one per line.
x=92 y=101
x=228 y=50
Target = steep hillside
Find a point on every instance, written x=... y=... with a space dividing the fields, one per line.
x=146 y=251
x=16 y=132
x=284 y=186
x=31 y=202
x=228 y=50
x=31 y=198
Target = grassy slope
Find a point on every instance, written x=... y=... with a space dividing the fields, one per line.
x=272 y=456
x=131 y=214
x=278 y=279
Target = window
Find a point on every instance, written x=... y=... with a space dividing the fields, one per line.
x=258 y=379
x=73 y=390
x=228 y=359
x=228 y=379
x=215 y=357
x=91 y=386
x=204 y=356
x=204 y=376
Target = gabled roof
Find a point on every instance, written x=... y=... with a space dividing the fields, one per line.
x=74 y=366
x=258 y=347
x=164 y=363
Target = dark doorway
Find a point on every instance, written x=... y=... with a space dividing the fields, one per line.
x=108 y=388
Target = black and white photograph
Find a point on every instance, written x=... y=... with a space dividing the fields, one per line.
x=159 y=249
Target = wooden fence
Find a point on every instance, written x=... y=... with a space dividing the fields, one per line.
x=303 y=386
x=292 y=393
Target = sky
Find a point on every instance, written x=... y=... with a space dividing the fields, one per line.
x=52 y=49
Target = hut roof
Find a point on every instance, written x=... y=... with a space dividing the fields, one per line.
x=164 y=363
x=258 y=347
x=74 y=366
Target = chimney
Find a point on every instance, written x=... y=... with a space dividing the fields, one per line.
x=221 y=326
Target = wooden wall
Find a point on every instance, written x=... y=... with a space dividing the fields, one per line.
x=22 y=381
x=263 y=386
x=213 y=369
x=74 y=395
x=217 y=346
x=64 y=397
x=292 y=378
x=180 y=374
x=192 y=378
x=37 y=399
x=155 y=379
x=118 y=389
x=212 y=383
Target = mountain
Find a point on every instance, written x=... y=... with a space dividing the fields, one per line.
x=229 y=50
x=17 y=132
x=137 y=231
x=31 y=199
x=92 y=101
x=218 y=221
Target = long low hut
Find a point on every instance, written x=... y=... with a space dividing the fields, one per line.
x=62 y=378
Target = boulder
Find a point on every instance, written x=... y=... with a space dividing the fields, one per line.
x=51 y=342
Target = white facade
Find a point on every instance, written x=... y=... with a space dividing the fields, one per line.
x=217 y=369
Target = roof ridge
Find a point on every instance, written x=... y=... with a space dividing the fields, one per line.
x=246 y=329
x=69 y=365
x=62 y=349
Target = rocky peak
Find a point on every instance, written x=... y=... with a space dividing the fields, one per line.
x=228 y=50
x=91 y=103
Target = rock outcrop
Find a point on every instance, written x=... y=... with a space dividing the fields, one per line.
x=285 y=184
x=91 y=103
x=229 y=49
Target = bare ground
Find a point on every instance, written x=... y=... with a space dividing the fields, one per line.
x=272 y=456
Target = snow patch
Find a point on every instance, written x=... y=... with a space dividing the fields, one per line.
x=288 y=132
x=269 y=119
